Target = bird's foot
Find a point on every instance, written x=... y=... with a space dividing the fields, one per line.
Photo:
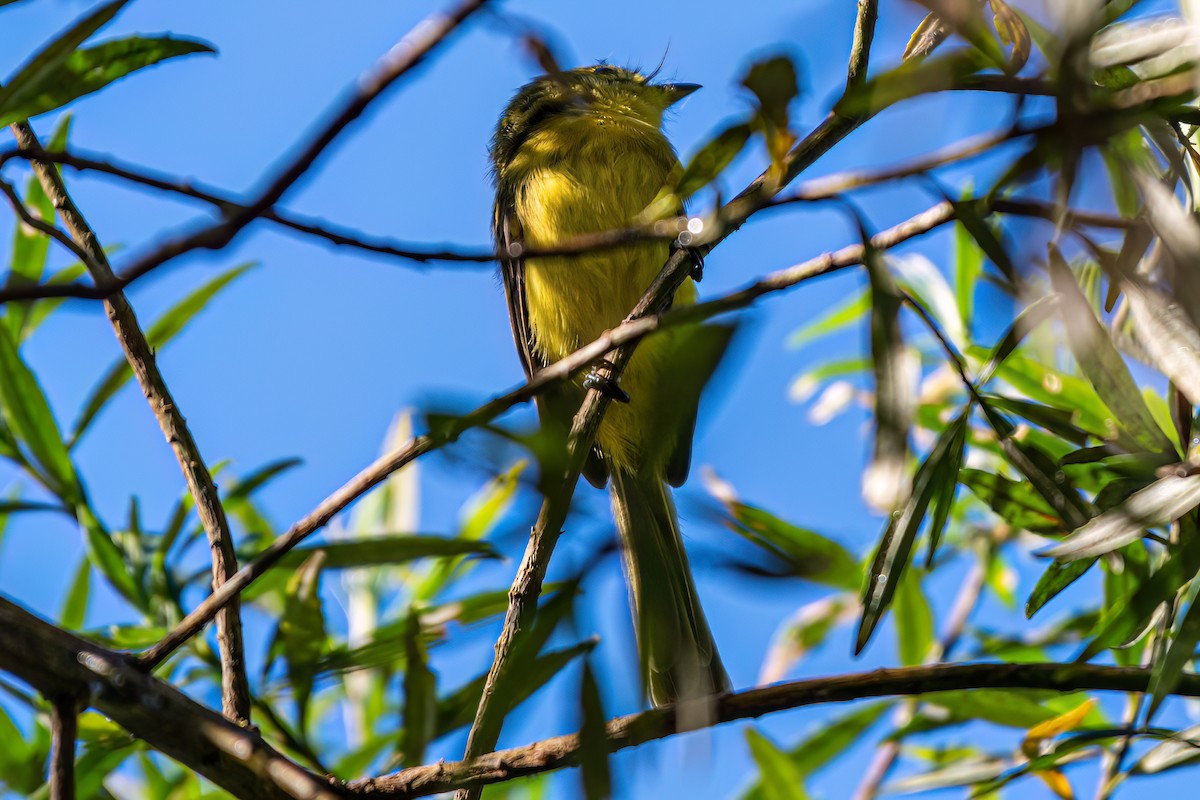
x=598 y=380
x=697 y=256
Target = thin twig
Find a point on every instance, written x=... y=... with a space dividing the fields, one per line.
x=64 y=722
x=235 y=688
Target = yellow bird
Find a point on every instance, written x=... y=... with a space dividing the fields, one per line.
x=583 y=151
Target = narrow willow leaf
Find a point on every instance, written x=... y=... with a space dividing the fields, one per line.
x=1057 y=577
x=1013 y=709
x=712 y=159
x=914 y=620
x=1122 y=624
x=828 y=741
x=946 y=481
x=920 y=279
x=842 y=314
x=968 y=268
x=1172 y=753
x=967 y=771
x=51 y=57
x=164 y=329
x=779 y=777
x=1099 y=360
x=387 y=549
x=74 y=610
x=420 y=695
x=806 y=629
x=885 y=481
x=40 y=310
x=927 y=36
x=895 y=549
x=593 y=739
x=1159 y=503
x=1167 y=333
x=301 y=635
x=970 y=215
x=107 y=557
x=27 y=414
x=85 y=71
x=1165 y=672
x=804 y=553
x=1016 y=502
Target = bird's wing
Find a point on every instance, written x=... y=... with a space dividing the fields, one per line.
x=556 y=407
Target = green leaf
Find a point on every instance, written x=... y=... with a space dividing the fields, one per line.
x=1165 y=672
x=1017 y=503
x=805 y=553
x=30 y=246
x=1030 y=318
x=28 y=416
x=386 y=549
x=1123 y=623
x=912 y=78
x=420 y=695
x=593 y=739
x=968 y=268
x=1099 y=360
x=914 y=621
x=1012 y=708
x=106 y=556
x=1161 y=502
x=1167 y=333
x=1057 y=577
x=85 y=71
x=842 y=314
x=712 y=159
x=164 y=329
x=40 y=310
x=74 y=609
x=301 y=633
x=970 y=214
x=946 y=481
x=47 y=62
x=895 y=549
x=781 y=779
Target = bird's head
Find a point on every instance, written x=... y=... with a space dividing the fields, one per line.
x=602 y=92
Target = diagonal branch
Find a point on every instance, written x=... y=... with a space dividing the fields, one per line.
x=563 y=369
x=235 y=688
x=527 y=585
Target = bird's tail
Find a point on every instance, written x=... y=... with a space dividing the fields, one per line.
x=678 y=655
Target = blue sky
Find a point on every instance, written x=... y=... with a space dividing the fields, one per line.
x=313 y=352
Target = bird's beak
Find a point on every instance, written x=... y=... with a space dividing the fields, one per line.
x=678 y=91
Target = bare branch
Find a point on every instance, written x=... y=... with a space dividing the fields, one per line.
x=659 y=723
x=63 y=730
x=59 y=664
x=235 y=688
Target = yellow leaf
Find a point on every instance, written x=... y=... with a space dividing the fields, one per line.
x=1062 y=723
x=1058 y=783
x=928 y=35
x=1011 y=29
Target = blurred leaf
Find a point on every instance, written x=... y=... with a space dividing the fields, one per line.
x=780 y=778
x=914 y=621
x=85 y=71
x=773 y=82
x=106 y=556
x=885 y=481
x=920 y=279
x=1101 y=363
x=895 y=549
x=831 y=739
x=928 y=35
x=49 y=61
x=970 y=214
x=74 y=609
x=1168 y=335
x=166 y=328
x=968 y=268
x=910 y=79
x=1123 y=623
x=1165 y=672
x=301 y=636
x=712 y=159
x=1012 y=31
x=1058 y=576
x=1011 y=708
x=839 y=316
x=945 y=480
x=386 y=549
x=1159 y=503
x=1170 y=754
x=420 y=695
x=28 y=416
x=807 y=628
x=30 y=246
x=593 y=739
x=21 y=762
x=1063 y=723
x=805 y=553
x=965 y=771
